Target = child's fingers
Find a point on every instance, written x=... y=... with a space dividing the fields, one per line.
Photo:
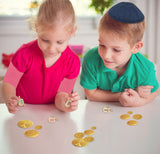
x=73 y=108
x=12 y=109
x=74 y=103
x=74 y=94
x=132 y=92
x=76 y=98
x=147 y=87
x=12 y=105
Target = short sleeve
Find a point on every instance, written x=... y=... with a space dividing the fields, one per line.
x=73 y=67
x=12 y=76
x=22 y=59
x=88 y=77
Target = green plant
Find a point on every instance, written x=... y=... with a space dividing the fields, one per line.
x=101 y=5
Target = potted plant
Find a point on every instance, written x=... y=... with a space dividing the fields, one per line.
x=101 y=5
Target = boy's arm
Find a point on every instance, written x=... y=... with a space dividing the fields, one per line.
x=101 y=95
x=131 y=98
x=144 y=91
x=150 y=98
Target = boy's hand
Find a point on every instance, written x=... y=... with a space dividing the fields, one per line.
x=144 y=91
x=130 y=98
x=12 y=104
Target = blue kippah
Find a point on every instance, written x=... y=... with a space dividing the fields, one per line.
x=126 y=12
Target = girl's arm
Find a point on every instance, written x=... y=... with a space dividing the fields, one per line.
x=8 y=88
x=67 y=85
x=9 y=95
x=64 y=94
x=7 y=91
x=101 y=95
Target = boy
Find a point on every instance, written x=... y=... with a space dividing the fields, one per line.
x=115 y=70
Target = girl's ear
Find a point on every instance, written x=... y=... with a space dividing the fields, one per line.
x=73 y=31
x=36 y=27
x=137 y=47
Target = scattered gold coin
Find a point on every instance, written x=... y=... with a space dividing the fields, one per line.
x=93 y=128
x=31 y=133
x=125 y=116
x=79 y=142
x=89 y=132
x=129 y=112
x=79 y=135
x=25 y=123
x=89 y=139
x=38 y=127
x=132 y=122
x=137 y=116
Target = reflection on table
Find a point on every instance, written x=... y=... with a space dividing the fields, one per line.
x=112 y=134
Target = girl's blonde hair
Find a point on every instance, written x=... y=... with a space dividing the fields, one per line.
x=133 y=32
x=53 y=12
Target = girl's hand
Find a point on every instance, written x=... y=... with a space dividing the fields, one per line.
x=12 y=104
x=74 y=97
x=62 y=97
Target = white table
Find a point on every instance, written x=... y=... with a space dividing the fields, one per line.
x=112 y=136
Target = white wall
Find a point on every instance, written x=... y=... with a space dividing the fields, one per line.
x=15 y=31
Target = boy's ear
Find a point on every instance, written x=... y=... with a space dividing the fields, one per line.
x=137 y=47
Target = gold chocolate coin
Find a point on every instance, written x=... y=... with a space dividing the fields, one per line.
x=25 y=123
x=93 y=128
x=89 y=139
x=132 y=122
x=89 y=132
x=79 y=135
x=38 y=127
x=137 y=116
x=79 y=142
x=129 y=112
x=31 y=133
x=125 y=116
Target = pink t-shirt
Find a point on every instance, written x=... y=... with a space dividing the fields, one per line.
x=39 y=84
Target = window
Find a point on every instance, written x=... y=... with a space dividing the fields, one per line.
x=21 y=7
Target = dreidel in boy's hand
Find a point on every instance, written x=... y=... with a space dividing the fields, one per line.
x=20 y=101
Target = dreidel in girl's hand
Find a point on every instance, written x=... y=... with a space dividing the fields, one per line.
x=67 y=103
x=20 y=101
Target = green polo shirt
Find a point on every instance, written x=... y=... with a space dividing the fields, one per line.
x=139 y=72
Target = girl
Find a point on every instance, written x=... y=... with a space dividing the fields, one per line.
x=45 y=70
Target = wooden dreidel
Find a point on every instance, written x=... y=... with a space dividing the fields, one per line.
x=107 y=109
x=20 y=102
x=52 y=119
x=67 y=103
